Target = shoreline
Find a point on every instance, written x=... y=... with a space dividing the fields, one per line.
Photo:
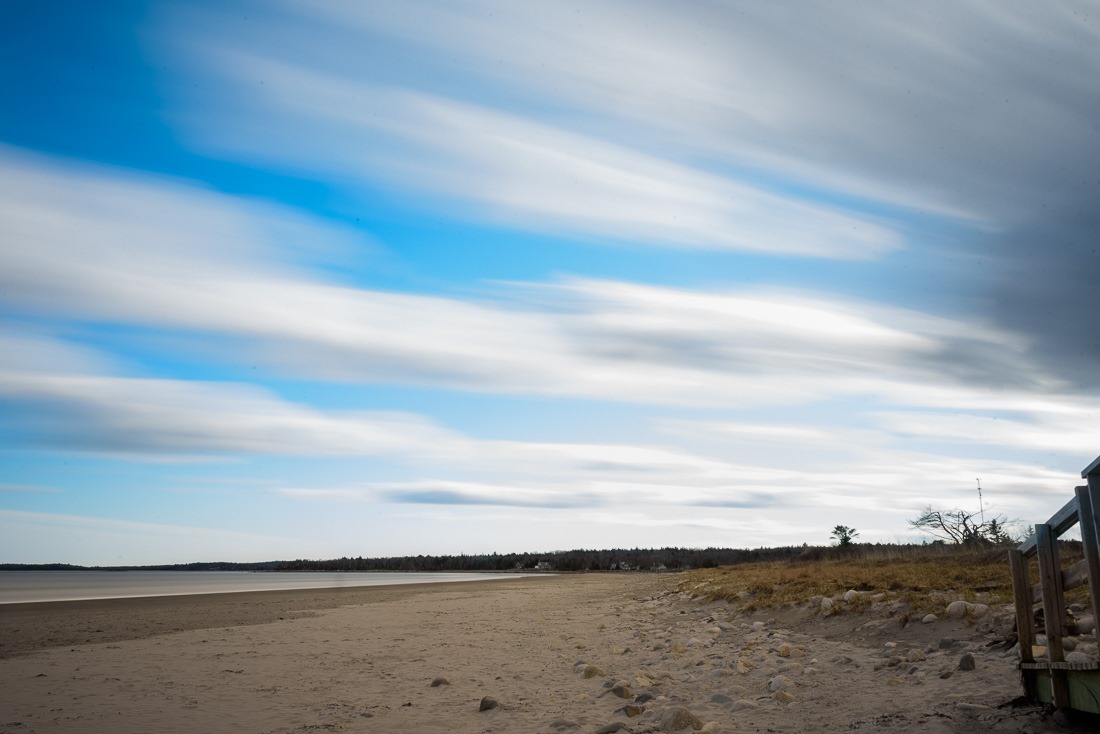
x=31 y=626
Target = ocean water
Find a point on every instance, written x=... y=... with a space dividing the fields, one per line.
x=33 y=586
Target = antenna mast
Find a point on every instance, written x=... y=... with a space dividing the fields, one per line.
x=981 y=507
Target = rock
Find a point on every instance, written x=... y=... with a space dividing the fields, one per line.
x=614 y=726
x=436 y=682
x=947 y=674
x=757 y=626
x=1078 y=657
x=965 y=706
x=1038 y=651
x=894 y=661
x=714 y=631
x=632 y=710
x=978 y=610
x=678 y=718
x=563 y=725
x=929 y=619
x=967 y=662
x=851 y=595
x=743 y=666
x=778 y=683
x=1085 y=623
x=784 y=696
x=744 y=703
x=488 y=703
x=621 y=691
x=643 y=697
x=827 y=606
x=720 y=699
x=787 y=650
x=591 y=671
x=947 y=643
x=915 y=655
x=956 y=609
x=1069 y=644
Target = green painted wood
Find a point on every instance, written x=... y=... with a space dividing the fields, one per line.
x=1083 y=688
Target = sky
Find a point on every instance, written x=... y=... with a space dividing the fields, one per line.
x=291 y=279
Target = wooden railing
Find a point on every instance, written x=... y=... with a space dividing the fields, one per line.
x=1083 y=509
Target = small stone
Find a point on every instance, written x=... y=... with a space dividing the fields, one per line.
x=947 y=643
x=632 y=710
x=744 y=703
x=890 y=645
x=757 y=626
x=436 y=682
x=915 y=655
x=851 y=595
x=675 y=718
x=1078 y=657
x=1069 y=644
x=1038 y=651
x=947 y=674
x=827 y=605
x=614 y=726
x=1085 y=623
x=563 y=725
x=591 y=671
x=929 y=619
x=621 y=691
x=964 y=706
x=784 y=650
x=778 y=683
x=488 y=703
x=894 y=661
x=784 y=696
x=643 y=697
x=721 y=699
x=956 y=609
x=967 y=662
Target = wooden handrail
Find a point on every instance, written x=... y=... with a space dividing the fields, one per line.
x=1059 y=523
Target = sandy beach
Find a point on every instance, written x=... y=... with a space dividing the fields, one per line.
x=584 y=653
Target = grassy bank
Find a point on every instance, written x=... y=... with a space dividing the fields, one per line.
x=925 y=579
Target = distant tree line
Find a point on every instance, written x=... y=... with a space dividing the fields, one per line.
x=619 y=559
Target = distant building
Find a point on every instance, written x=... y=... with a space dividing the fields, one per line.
x=543 y=566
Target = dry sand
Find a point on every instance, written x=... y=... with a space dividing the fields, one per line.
x=364 y=660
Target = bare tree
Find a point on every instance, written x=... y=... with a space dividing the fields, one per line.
x=962 y=527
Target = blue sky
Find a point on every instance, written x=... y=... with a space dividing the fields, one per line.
x=285 y=279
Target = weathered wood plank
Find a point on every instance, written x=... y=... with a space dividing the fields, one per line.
x=1072 y=577
x=1021 y=592
x=1054 y=608
x=1059 y=523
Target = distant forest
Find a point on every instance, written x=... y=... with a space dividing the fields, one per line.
x=636 y=559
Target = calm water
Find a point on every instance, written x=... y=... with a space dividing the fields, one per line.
x=28 y=586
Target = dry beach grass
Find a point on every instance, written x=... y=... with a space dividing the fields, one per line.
x=580 y=653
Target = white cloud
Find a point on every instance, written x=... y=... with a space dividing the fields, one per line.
x=506 y=168
x=963 y=109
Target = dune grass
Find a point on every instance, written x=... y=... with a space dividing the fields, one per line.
x=925 y=580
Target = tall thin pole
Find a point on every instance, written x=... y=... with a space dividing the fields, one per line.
x=981 y=507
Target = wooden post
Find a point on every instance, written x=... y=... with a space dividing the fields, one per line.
x=1021 y=587
x=1054 y=609
x=1088 y=499
x=1025 y=622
